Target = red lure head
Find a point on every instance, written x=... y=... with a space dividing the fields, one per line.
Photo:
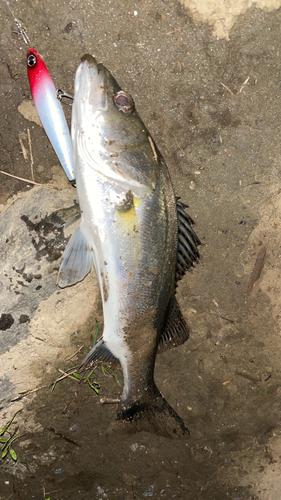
x=37 y=70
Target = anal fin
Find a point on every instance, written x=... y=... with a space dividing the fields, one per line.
x=176 y=331
x=100 y=352
x=76 y=261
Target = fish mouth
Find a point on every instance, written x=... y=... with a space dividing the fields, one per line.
x=96 y=83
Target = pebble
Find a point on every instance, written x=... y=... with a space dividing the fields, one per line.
x=74 y=428
x=134 y=447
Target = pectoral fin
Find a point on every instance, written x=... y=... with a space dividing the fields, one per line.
x=76 y=261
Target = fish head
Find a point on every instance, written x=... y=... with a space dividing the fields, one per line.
x=107 y=132
x=106 y=94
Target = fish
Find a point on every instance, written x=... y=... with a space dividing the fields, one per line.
x=50 y=111
x=139 y=239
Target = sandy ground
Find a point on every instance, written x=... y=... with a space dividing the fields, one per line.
x=206 y=81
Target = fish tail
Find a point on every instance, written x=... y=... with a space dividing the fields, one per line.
x=151 y=413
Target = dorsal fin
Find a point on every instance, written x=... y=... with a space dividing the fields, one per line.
x=188 y=242
x=176 y=331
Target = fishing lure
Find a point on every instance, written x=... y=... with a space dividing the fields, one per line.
x=50 y=111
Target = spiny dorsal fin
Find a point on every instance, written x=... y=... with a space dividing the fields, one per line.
x=188 y=242
x=176 y=330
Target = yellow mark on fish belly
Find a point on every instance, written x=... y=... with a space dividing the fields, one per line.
x=127 y=219
x=128 y=229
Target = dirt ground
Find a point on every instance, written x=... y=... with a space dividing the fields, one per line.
x=213 y=106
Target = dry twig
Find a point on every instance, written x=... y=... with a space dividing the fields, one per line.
x=104 y=401
x=67 y=375
x=31 y=182
x=46 y=342
x=153 y=148
x=174 y=31
x=230 y=91
x=258 y=267
x=29 y=392
x=31 y=156
x=78 y=350
x=245 y=83
x=23 y=150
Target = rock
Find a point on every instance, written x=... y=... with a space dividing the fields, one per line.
x=36 y=317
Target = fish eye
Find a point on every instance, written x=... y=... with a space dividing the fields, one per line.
x=31 y=60
x=123 y=101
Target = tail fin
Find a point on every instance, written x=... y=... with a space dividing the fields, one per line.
x=151 y=414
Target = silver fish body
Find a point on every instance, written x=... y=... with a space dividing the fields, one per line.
x=129 y=230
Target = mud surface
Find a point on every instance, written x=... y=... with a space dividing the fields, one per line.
x=213 y=108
